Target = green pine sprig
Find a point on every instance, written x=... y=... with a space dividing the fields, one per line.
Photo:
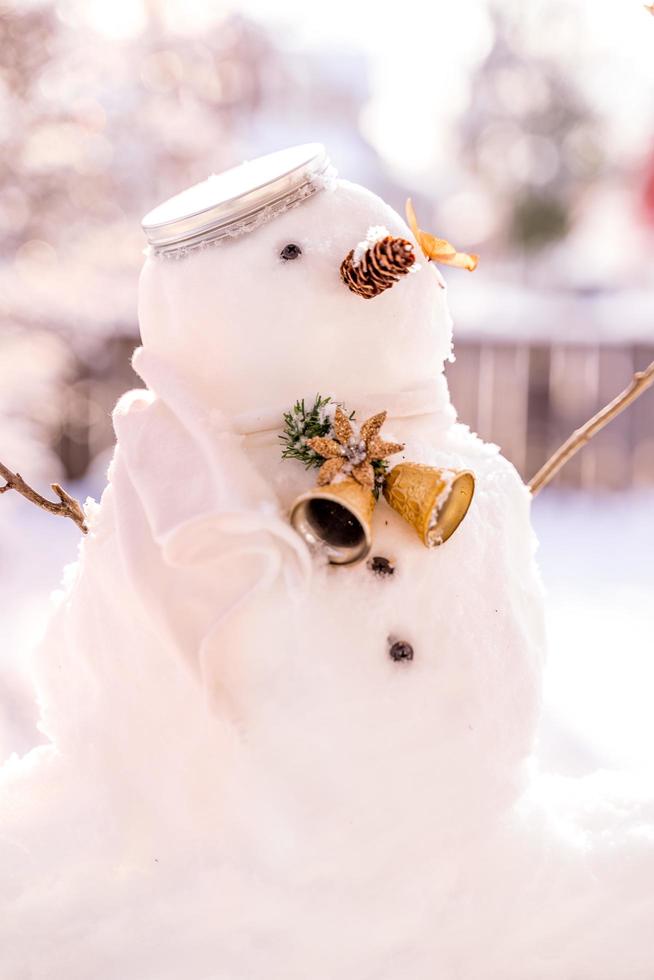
x=381 y=468
x=302 y=424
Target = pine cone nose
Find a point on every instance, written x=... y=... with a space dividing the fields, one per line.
x=379 y=267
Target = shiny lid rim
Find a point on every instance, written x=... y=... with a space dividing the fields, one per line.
x=237 y=214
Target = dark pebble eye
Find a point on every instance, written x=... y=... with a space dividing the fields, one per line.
x=290 y=251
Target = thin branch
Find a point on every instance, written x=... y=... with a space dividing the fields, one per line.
x=640 y=382
x=67 y=506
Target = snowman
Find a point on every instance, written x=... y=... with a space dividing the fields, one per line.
x=282 y=744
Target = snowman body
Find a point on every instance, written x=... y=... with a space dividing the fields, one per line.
x=242 y=782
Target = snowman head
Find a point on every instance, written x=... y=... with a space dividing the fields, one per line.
x=259 y=319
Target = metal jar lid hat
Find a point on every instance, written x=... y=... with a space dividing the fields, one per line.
x=237 y=200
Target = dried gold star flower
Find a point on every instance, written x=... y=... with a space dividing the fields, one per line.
x=351 y=453
x=437 y=249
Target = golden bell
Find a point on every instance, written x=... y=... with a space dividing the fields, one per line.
x=434 y=501
x=336 y=518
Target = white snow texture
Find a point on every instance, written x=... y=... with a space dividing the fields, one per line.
x=241 y=784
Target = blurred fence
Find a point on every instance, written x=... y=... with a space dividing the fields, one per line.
x=87 y=403
x=528 y=398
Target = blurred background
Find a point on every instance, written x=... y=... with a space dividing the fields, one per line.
x=523 y=132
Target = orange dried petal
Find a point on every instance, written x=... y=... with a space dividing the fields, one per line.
x=438 y=249
x=461 y=260
x=411 y=219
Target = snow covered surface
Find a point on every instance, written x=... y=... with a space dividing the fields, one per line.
x=597 y=559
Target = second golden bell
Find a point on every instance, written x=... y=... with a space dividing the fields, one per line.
x=434 y=501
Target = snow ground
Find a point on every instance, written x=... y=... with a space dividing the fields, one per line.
x=597 y=560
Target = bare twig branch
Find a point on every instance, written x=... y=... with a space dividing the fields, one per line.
x=640 y=382
x=67 y=506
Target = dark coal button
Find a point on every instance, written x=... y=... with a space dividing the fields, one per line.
x=401 y=650
x=381 y=566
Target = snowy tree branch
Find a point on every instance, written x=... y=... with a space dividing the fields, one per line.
x=640 y=382
x=67 y=506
